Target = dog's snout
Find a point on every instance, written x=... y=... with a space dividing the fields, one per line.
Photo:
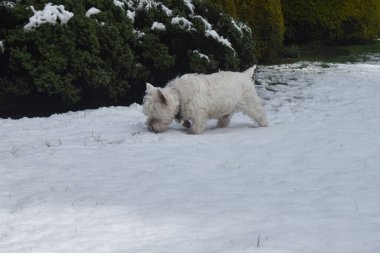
x=156 y=125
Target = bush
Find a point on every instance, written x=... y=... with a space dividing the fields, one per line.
x=332 y=22
x=106 y=58
x=266 y=19
x=230 y=6
x=59 y=67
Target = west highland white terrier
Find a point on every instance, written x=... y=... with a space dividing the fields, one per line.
x=194 y=98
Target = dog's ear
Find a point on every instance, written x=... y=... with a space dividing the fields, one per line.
x=149 y=88
x=162 y=97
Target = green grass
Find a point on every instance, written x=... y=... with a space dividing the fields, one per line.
x=342 y=54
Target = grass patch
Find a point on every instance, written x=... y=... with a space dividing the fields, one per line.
x=316 y=52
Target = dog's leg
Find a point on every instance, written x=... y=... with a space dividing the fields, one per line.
x=198 y=126
x=257 y=114
x=255 y=111
x=224 y=121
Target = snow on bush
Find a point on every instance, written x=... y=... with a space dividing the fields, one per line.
x=2 y=46
x=209 y=32
x=158 y=26
x=236 y=25
x=189 y=4
x=217 y=37
x=203 y=56
x=8 y=4
x=182 y=22
x=92 y=11
x=118 y=3
x=207 y=24
x=131 y=15
x=143 y=4
x=138 y=33
x=133 y=6
x=50 y=14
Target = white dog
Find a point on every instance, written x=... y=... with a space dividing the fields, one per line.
x=195 y=98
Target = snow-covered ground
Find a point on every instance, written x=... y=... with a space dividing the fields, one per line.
x=97 y=181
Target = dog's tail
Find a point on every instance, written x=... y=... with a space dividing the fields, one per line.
x=251 y=71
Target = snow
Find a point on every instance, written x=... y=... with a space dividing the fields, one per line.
x=131 y=15
x=98 y=181
x=209 y=32
x=158 y=26
x=189 y=5
x=147 y=5
x=133 y=6
x=182 y=22
x=7 y=4
x=202 y=55
x=207 y=24
x=118 y=3
x=138 y=33
x=217 y=37
x=92 y=11
x=50 y=14
x=237 y=27
x=185 y=24
x=240 y=26
x=167 y=11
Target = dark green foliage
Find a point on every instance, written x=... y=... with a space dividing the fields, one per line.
x=331 y=22
x=107 y=58
x=266 y=20
x=171 y=52
x=230 y=6
x=81 y=64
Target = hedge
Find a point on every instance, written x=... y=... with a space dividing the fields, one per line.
x=332 y=22
x=267 y=21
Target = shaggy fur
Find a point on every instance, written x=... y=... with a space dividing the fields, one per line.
x=194 y=98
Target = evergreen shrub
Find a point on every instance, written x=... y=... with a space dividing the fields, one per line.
x=266 y=20
x=331 y=22
x=106 y=57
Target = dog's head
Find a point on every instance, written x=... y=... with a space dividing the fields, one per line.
x=159 y=107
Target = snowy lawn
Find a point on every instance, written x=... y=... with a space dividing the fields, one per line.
x=97 y=181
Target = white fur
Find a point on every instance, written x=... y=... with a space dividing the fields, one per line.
x=198 y=97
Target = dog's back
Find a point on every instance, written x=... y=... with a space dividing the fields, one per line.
x=221 y=93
